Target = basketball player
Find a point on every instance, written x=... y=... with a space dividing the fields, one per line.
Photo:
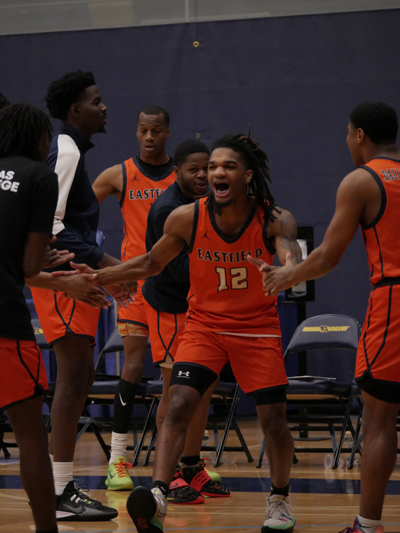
x=165 y=302
x=136 y=183
x=369 y=196
x=228 y=318
x=28 y=199
x=70 y=326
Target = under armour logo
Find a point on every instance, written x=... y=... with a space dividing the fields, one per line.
x=205 y=236
x=142 y=523
x=183 y=374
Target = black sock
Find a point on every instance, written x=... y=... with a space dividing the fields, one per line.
x=190 y=460
x=123 y=405
x=160 y=485
x=52 y=530
x=281 y=492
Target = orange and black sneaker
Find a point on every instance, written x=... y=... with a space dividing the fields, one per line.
x=198 y=478
x=181 y=493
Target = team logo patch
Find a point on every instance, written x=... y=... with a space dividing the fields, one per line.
x=38 y=331
x=183 y=374
x=326 y=329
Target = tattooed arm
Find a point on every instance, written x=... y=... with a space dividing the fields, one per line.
x=284 y=229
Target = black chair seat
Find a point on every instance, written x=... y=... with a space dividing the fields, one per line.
x=318 y=386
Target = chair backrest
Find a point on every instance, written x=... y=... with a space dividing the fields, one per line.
x=39 y=335
x=325 y=331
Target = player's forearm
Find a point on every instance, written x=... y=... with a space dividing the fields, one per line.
x=44 y=280
x=137 y=268
x=318 y=264
x=108 y=261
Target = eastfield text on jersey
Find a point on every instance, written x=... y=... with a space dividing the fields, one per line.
x=227 y=257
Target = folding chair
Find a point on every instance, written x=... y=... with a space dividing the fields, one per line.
x=332 y=331
x=226 y=394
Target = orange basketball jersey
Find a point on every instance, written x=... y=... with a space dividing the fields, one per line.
x=381 y=235
x=140 y=190
x=226 y=293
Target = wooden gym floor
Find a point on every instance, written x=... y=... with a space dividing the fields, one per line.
x=324 y=501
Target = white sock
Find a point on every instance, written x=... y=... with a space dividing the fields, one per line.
x=119 y=443
x=368 y=526
x=62 y=473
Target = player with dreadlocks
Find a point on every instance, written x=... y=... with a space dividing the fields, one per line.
x=229 y=317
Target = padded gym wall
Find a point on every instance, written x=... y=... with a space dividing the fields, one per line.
x=294 y=79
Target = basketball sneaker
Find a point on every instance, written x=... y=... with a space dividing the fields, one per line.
x=72 y=505
x=213 y=475
x=198 y=478
x=278 y=516
x=147 y=508
x=180 y=492
x=358 y=529
x=118 y=476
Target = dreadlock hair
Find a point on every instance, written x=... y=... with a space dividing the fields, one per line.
x=254 y=159
x=21 y=127
x=186 y=148
x=65 y=91
x=4 y=102
x=155 y=110
x=378 y=120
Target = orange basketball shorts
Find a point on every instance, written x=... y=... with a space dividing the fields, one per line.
x=378 y=357
x=257 y=362
x=59 y=315
x=132 y=320
x=22 y=374
x=165 y=331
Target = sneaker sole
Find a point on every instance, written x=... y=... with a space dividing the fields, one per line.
x=266 y=529
x=214 y=494
x=121 y=487
x=199 y=500
x=63 y=516
x=142 y=508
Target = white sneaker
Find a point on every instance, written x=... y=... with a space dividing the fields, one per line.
x=278 y=516
x=162 y=504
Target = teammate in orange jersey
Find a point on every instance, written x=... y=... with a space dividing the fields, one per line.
x=228 y=319
x=136 y=183
x=369 y=196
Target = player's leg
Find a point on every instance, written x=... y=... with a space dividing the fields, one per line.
x=132 y=326
x=379 y=458
x=35 y=468
x=75 y=374
x=22 y=383
x=189 y=381
x=258 y=366
x=135 y=347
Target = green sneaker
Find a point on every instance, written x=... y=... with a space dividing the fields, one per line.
x=118 y=476
x=213 y=475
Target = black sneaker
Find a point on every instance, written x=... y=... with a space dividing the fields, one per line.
x=72 y=505
x=198 y=478
x=147 y=508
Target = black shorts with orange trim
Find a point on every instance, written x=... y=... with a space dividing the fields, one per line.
x=22 y=375
x=378 y=359
x=59 y=315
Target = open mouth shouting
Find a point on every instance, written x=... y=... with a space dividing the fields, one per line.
x=221 y=189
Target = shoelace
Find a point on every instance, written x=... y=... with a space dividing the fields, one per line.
x=84 y=497
x=275 y=509
x=120 y=468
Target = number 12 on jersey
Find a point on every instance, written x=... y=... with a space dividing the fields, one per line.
x=237 y=278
